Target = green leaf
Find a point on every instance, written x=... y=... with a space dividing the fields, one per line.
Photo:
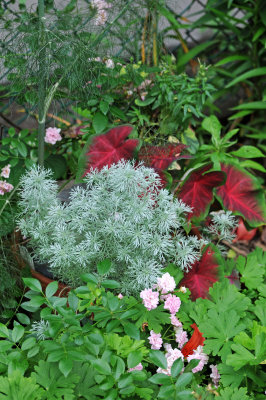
x=183 y=60
x=3 y=331
x=51 y=289
x=118 y=113
x=28 y=343
x=229 y=59
x=161 y=379
x=17 y=333
x=253 y=105
x=134 y=358
x=177 y=367
x=251 y=270
x=89 y=278
x=104 y=107
x=22 y=318
x=110 y=284
x=240 y=358
x=73 y=301
x=253 y=165
x=57 y=163
x=247 y=75
x=33 y=284
x=22 y=148
x=99 y=122
x=5 y=345
x=248 y=152
x=184 y=379
x=66 y=366
x=104 y=267
x=234 y=394
x=166 y=392
x=131 y=330
x=158 y=358
x=145 y=102
x=212 y=125
x=102 y=367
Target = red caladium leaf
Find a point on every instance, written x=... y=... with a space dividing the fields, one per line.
x=197 y=190
x=160 y=157
x=111 y=147
x=241 y=194
x=202 y=275
x=196 y=340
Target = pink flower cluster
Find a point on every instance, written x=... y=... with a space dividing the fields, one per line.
x=180 y=336
x=155 y=340
x=215 y=375
x=101 y=7
x=172 y=303
x=198 y=355
x=52 y=135
x=166 y=283
x=5 y=187
x=150 y=298
x=5 y=171
x=171 y=355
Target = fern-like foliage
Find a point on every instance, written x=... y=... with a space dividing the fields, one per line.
x=121 y=215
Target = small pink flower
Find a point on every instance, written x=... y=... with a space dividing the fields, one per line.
x=180 y=337
x=215 y=375
x=171 y=355
x=5 y=187
x=198 y=355
x=155 y=340
x=138 y=367
x=150 y=298
x=183 y=289
x=172 y=303
x=6 y=171
x=120 y=296
x=52 y=135
x=175 y=321
x=166 y=283
x=109 y=63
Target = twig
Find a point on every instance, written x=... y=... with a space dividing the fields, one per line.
x=236 y=249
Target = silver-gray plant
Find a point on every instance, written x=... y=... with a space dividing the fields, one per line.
x=121 y=214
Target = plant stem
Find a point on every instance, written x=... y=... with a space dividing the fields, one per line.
x=42 y=84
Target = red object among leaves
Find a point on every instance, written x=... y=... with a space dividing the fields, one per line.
x=196 y=340
x=160 y=157
x=242 y=195
x=202 y=275
x=111 y=147
x=197 y=190
x=242 y=233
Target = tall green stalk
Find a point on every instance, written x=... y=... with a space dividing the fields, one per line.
x=42 y=83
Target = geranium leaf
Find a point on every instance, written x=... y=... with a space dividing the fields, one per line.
x=197 y=190
x=110 y=147
x=202 y=275
x=160 y=157
x=241 y=194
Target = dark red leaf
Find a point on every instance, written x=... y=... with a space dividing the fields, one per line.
x=242 y=195
x=202 y=275
x=196 y=340
x=160 y=157
x=111 y=147
x=197 y=190
x=242 y=233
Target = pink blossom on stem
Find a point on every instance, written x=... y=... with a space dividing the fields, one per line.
x=52 y=135
x=155 y=340
x=172 y=303
x=180 y=337
x=166 y=283
x=171 y=355
x=138 y=367
x=120 y=296
x=215 y=375
x=150 y=298
x=175 y=321
x=198 y=355
x=5 y=187
x=6 y=171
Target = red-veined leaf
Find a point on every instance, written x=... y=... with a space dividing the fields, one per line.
x=202 y=275
x=242 y=233
x=197 y=190
x=160 y=157
x=111 y=147
x=241 y=194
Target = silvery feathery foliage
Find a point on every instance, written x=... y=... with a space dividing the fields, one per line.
x=122 y=214
x=39 y=328
x=222 y=227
